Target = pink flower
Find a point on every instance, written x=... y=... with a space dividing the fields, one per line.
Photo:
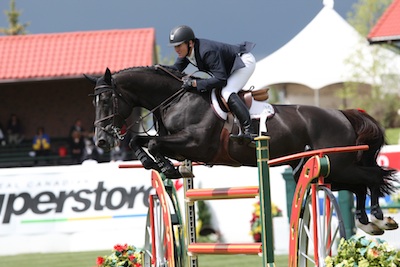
x=373 y=253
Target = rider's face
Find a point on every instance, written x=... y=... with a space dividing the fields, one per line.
x=183 y=49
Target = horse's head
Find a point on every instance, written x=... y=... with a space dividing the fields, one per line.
x=111 y=110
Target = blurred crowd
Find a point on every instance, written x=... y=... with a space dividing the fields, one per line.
x=78 y=146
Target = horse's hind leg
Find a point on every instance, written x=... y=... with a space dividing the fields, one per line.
x=362 y=221
x=384 y=223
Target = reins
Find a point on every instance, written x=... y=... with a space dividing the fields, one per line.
x=167 y=71
x=169 y=98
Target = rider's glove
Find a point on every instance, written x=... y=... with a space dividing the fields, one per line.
x=201 y=90
x=187 y=83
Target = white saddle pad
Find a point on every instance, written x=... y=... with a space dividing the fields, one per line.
x=260 y=110
x=257 y=108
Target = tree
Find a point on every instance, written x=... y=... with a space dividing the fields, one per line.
x=366 y=13
x=15 y=28
x=382 y=100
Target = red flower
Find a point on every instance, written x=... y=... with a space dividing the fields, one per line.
x=100 y=261
x=120 y=248
x=131 y=257
x=257 y=237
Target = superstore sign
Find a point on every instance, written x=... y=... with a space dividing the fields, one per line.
x=58 y=195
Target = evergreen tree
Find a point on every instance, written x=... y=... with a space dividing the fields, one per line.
x=15 y=28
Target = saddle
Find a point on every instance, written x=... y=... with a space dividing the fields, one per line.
x=245 y=95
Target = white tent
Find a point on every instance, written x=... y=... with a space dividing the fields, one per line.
x=316 y=56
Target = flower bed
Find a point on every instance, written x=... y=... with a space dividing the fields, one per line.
x=122 y=255
x=362 y=252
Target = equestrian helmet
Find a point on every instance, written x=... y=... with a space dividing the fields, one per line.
x=180 y=34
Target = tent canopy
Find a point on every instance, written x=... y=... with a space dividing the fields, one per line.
x=316 y=56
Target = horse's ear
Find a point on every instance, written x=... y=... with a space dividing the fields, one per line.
x=91 y=78
x=107 y=76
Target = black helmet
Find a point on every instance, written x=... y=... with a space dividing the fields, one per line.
x=180 y=34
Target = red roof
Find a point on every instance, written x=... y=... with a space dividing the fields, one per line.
x=388 y=26
x=74 y=53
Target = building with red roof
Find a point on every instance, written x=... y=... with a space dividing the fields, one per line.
x=68 y=55
x=41 y=75
x=387 y=28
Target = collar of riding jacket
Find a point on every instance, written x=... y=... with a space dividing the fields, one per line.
x=191 y=57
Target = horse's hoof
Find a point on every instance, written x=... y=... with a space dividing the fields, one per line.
x=386 y=224
x=370 y=228
x=185 y=172
x=172 y=174
x=150 y=165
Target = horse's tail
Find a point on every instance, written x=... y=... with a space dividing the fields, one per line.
x=369 y=132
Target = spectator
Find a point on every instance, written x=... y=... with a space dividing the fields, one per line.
x=77 y=127
x=14 y=130
x=118 y=153
x=90 y=152
x=76 y=146
x=2 y=136
x=41 y=143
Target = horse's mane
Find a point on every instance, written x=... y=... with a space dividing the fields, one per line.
x=153 y=69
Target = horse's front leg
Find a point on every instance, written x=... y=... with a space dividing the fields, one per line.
x=171 y=145
x=167 y=167
x=136 y=144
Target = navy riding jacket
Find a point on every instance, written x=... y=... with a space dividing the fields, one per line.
x=220 y=59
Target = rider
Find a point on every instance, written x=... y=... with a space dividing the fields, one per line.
x=230 y=65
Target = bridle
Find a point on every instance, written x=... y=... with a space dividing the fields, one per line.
x=112 y=130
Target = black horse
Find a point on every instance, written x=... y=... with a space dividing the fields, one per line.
x=188 y=128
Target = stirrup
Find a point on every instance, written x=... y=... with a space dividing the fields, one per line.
x=242 y=138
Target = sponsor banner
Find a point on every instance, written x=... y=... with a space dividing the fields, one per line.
x=390 y=157
x=93 y=207
x=68 y=199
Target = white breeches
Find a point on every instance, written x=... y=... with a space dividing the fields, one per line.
x=239 y=78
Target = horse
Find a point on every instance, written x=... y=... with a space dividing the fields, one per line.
x=189 y=128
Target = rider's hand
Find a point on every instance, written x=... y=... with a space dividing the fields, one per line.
x=187 y=83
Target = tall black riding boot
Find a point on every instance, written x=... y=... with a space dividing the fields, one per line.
x=241 y=112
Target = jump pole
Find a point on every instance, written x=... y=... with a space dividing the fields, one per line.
x=267 y=236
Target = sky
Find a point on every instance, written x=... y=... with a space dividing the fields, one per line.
x=268 y=23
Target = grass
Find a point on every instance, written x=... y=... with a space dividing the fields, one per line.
x=88 y=259
x=392 y=136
